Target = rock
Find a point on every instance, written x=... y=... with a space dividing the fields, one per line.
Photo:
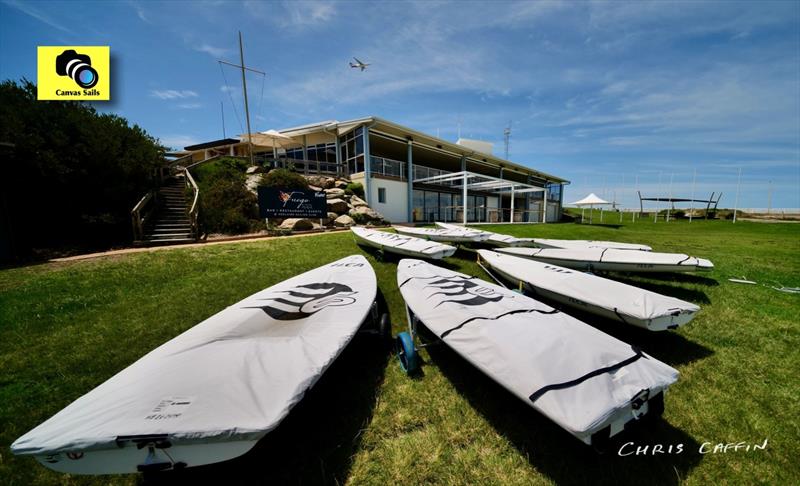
x=251 y=182
x=344 y=221
x=357 y=202
x=337 y=206
x=334 y=193
x=297 y=224
x=329 y=220
x=365 y=213
x=314 y=180
x=315 y=188
x=329 y=182
x=340 y=184
x=317 y=226
x=256 y=169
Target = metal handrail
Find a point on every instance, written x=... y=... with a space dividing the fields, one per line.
x=194 y=209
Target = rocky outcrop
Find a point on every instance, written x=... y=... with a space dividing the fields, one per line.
x=344 y=221
x=338 y=206
x=297 y=224
x=334 y=193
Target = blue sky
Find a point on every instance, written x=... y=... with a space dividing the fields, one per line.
x=601 y=93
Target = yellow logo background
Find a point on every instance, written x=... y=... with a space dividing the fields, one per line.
x=50 y=83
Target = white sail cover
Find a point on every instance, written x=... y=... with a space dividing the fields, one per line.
x=609 y=259
x=492 y=238
x=441 y=234
x=581 y=378
x=231 y=378
x=582 y=244
x=507 y=240
x=402 y=244
x=591 y=293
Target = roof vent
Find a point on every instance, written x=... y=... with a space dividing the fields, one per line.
x=476 y=145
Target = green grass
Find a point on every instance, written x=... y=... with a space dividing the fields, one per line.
x=66 y=328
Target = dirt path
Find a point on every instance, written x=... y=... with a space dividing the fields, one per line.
x=221 y=241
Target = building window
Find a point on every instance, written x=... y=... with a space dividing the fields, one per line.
x=382 y=195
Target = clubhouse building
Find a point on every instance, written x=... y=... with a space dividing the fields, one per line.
x=408 y=176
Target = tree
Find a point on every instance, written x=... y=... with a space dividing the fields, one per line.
x=72 y=175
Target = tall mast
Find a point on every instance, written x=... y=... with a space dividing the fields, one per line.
x=246 y=107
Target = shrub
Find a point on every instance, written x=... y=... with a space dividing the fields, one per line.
x=204 y=171
x=226 y=206
x=284 y=178
x=355 y=188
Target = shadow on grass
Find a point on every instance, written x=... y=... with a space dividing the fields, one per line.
x=675 y=277
x=697 y=296
x=315 y=443
x=557 y=454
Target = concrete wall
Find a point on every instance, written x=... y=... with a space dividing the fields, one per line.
x=396 y=206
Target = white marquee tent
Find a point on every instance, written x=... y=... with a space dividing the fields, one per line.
x=591 y=200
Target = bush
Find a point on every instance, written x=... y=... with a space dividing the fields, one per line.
x=72 y=175
x=355 y=188
x=204 y=171
x=226 y=206
x=283 y=178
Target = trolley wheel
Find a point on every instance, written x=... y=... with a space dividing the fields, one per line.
x=406 y=352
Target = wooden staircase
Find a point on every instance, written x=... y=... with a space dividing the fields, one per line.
x=169 y=221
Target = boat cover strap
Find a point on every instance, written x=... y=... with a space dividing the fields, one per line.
x=577 y=381
x=512 y=312
x=603 y=254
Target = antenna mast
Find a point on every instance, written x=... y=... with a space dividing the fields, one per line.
x=222 y=114
x=244 y=90
x=507 y=137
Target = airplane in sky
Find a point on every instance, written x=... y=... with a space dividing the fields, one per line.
x=359 y=64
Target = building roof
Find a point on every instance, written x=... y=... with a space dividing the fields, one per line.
x=216 y=143
x=418 y=137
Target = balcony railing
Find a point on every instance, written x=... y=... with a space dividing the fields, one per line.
x=388 y=167
x=422 y=172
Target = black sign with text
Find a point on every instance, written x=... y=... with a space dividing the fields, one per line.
x=291 y=203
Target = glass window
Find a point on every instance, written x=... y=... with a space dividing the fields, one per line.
x=431 y=205
x=382 y=195
x=445 y=209
x=419 y=204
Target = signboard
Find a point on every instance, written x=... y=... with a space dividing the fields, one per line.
x=291 y=203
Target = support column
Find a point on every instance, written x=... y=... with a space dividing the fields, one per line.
x=544 y=204
x=305 y=148
x=511 y=219
x=339 y=167
x=464 y=199
x=367 y=171
x=463 y=163
x=410 y=179
x=527 y=216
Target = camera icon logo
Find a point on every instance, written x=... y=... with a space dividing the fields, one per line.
x=78 y=67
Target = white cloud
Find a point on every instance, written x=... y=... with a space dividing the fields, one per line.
x=292 y=14
x=171 y=94
x=177 y=142
x=189 y=106
x=28 y=9
x=212 y=51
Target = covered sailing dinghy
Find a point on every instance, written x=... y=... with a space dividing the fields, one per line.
x=458 y=235
x=402 y=244
x=591 y=293
x=611 y=260
x=584 y=380
x=211 y=393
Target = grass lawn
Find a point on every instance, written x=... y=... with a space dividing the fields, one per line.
x=65 y=328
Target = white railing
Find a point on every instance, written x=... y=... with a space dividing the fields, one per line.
x=422 y=172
